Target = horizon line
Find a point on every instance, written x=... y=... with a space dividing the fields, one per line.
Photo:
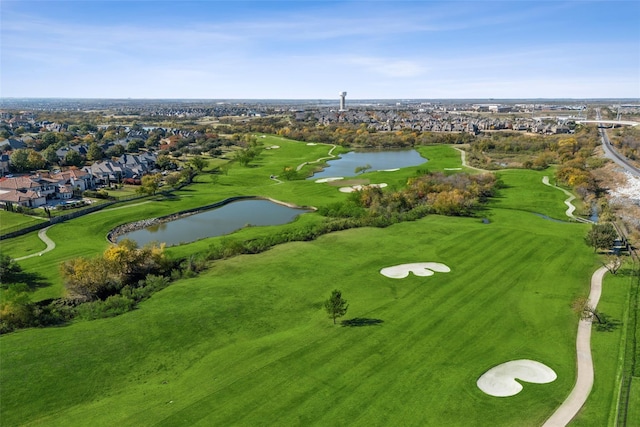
x=306 y=99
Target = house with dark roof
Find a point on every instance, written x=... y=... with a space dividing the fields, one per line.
x=11 y=144
x=125 y=166
x=4 y=164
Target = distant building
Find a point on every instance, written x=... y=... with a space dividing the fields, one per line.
x=342 y=103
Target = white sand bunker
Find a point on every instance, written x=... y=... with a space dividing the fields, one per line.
x=453 y=169
x=311 y=143
x=273 y=147
x=360 y=187
x=422 y=269
x=335 y=178
x=390 y=170
x=500 y=381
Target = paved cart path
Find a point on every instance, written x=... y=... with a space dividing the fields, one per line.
x=331 y=156
x=51 y=245
x=584 y=381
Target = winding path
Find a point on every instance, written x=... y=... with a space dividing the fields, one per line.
x=331 y=156
x=570 y=207
x=463 y=157
x=51 y=245
x=584 y=381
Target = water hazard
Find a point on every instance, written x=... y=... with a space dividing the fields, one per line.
x=215 y=222
x=378 y=160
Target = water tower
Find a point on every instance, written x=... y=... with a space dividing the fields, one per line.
x=342 y=96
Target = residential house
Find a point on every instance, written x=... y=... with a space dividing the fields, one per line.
x=126 y=166
x=76 y=179
x=106 y=171
x=27 y=198
x=4 y=164
x=80 y=148
x=36 y=190
x=27 y=191
x=11 y=144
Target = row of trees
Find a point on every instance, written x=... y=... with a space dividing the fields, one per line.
x=347 y=134
x=27 y=159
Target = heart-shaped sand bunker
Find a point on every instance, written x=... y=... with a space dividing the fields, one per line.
x=422 y=269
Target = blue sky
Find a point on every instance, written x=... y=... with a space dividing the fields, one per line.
x=315 y=49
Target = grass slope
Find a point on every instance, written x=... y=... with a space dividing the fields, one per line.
x=10 y=221
x=248 y=343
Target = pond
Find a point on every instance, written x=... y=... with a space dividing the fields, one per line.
x=215 y=222
x=378 y=160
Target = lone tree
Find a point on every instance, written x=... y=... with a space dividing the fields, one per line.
x=613 y=263
x=601 y=236
x=336 y=306
x=362 y=169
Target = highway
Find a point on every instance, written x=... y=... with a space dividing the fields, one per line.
x=611 y=153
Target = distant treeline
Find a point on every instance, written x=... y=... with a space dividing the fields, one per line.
x=347 y=135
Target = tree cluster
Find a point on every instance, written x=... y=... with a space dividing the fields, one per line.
x=360 y=136
x=120 y=265
x=627 y=141
x=457 y=195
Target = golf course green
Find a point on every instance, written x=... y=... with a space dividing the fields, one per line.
x=248 y=342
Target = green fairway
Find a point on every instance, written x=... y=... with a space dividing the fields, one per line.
x=247 y=342
x=250 y=333
x=11 y=221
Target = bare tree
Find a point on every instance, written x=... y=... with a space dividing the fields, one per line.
x=586 y=311
x=613 y=263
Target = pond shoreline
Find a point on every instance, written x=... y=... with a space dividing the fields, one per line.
x=129 y=227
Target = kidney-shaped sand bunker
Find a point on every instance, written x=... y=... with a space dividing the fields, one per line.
x=500 y=381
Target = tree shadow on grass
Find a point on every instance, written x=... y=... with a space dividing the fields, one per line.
x=170 y=196
x=361 y=321
x=32 y=280
x=606 y=323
